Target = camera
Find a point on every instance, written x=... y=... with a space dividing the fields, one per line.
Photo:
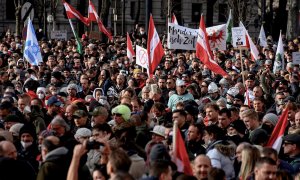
x=93 y=145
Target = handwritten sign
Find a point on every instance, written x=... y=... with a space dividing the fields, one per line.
x=180 y=37
x=142 y=57
x=238 y=37
x=296 y=57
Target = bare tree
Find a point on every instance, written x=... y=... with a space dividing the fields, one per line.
x=18 y=7
x=293 y=10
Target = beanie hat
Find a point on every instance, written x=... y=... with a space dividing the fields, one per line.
x=272 y=118
x=28 y=128
x=123 y=110
x=258 y=136
x=239 y=126
x=159 y=152
x=15 y=129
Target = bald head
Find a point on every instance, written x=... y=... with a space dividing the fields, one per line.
x=49 y=144
x=202 y=165
x=8 y=149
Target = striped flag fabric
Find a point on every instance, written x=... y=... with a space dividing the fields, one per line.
x=93 y=16
x=73 y=13
x=174 y=19
x=154 y=47
x=32 y=51
x=203 y=51
x=275 y=140
x=253 y=49
x=180 y=157
x=130 y=51
x=228 y=29
x=279 y=59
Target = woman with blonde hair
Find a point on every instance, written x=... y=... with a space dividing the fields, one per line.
x=250 y=154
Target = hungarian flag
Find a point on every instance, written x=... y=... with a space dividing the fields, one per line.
x=279 y=59
x=93 y=16
x=275 y=140
x=228 y=29
x=180 y=156
x=130 y=51
x=154 y=47
x=73 y=13
x=262 y=37
x=203 y=51
x=249 y=43
x=174 y=20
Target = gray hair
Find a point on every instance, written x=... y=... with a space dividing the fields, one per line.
x=60 y=121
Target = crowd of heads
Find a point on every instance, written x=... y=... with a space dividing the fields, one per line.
x=100 y=115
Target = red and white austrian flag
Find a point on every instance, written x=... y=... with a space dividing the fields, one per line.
x=130 y=51
x=154 y=47
x=73 y=13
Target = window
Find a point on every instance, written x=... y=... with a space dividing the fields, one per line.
x=223 y=11
x=132 y=9
x=196 y=12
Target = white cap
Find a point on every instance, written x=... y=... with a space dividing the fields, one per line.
x=212 y=87
x=159 y=130
x=180 y=82
x=233 y=91
x=83 y=132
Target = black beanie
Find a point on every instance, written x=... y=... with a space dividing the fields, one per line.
x=28 y=128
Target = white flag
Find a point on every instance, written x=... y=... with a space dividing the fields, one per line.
x=262 y=37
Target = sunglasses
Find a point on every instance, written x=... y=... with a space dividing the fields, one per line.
x=117 y=114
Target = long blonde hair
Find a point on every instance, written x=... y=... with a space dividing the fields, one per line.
x=250 y=154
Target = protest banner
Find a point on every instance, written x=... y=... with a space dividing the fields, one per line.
x=180 y=37
x=296 y=57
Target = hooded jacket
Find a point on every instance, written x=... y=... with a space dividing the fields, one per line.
x=55 y=165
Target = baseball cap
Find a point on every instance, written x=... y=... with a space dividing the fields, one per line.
x=80 y=114
x=159 y=130
x=53 y=100
x=292 y=138
x=99 y=111
x=180 y=82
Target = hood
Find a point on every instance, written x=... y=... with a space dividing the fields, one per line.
x=94 y=92
x=56 y=154
x=227 y=148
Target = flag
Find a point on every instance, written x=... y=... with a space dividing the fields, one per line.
x=228 y=29
x=203 y=51
x=154 y=47
x=73 y=13
x=262 y=37
x=32 y=50
x=93 y=16
x=180 y=156
x=249 y=43
x=275 y=140
x=279 y=59
x=130 y=51
x=174 y=20
x=217 y=37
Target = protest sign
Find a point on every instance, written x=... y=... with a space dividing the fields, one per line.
x=296 y=57
x=142 y=57
x=238 y=37
x=180 y=37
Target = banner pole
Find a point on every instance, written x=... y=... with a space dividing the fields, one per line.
x=242 y=64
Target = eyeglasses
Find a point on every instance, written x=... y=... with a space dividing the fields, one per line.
x=117 y=114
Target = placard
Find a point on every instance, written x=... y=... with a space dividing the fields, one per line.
x=142 y=57
x=238 y=36
x=62 y=35
x=296 y=57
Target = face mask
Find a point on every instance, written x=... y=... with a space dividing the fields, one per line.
x=92 y=124
x=54 y=93
x=26 y=144
x=41 y=96
x=142 y=32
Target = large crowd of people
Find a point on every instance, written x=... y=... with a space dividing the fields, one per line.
x=97 y=115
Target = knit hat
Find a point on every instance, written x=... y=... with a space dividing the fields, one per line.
x=73 y=86
x=15 y=129
x=12 y=118
x=239 y=126
x=159 y=152
x=212 y=88
x=272 y=118
x=258 y=136
x=28 y=128
x=123 y=110
x=83 y=132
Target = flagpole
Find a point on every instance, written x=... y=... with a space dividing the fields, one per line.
x=76 y=37
x=243 y=77
x=175 y=129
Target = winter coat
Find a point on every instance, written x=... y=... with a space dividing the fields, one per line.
x=221 y=154
x=55 y=165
